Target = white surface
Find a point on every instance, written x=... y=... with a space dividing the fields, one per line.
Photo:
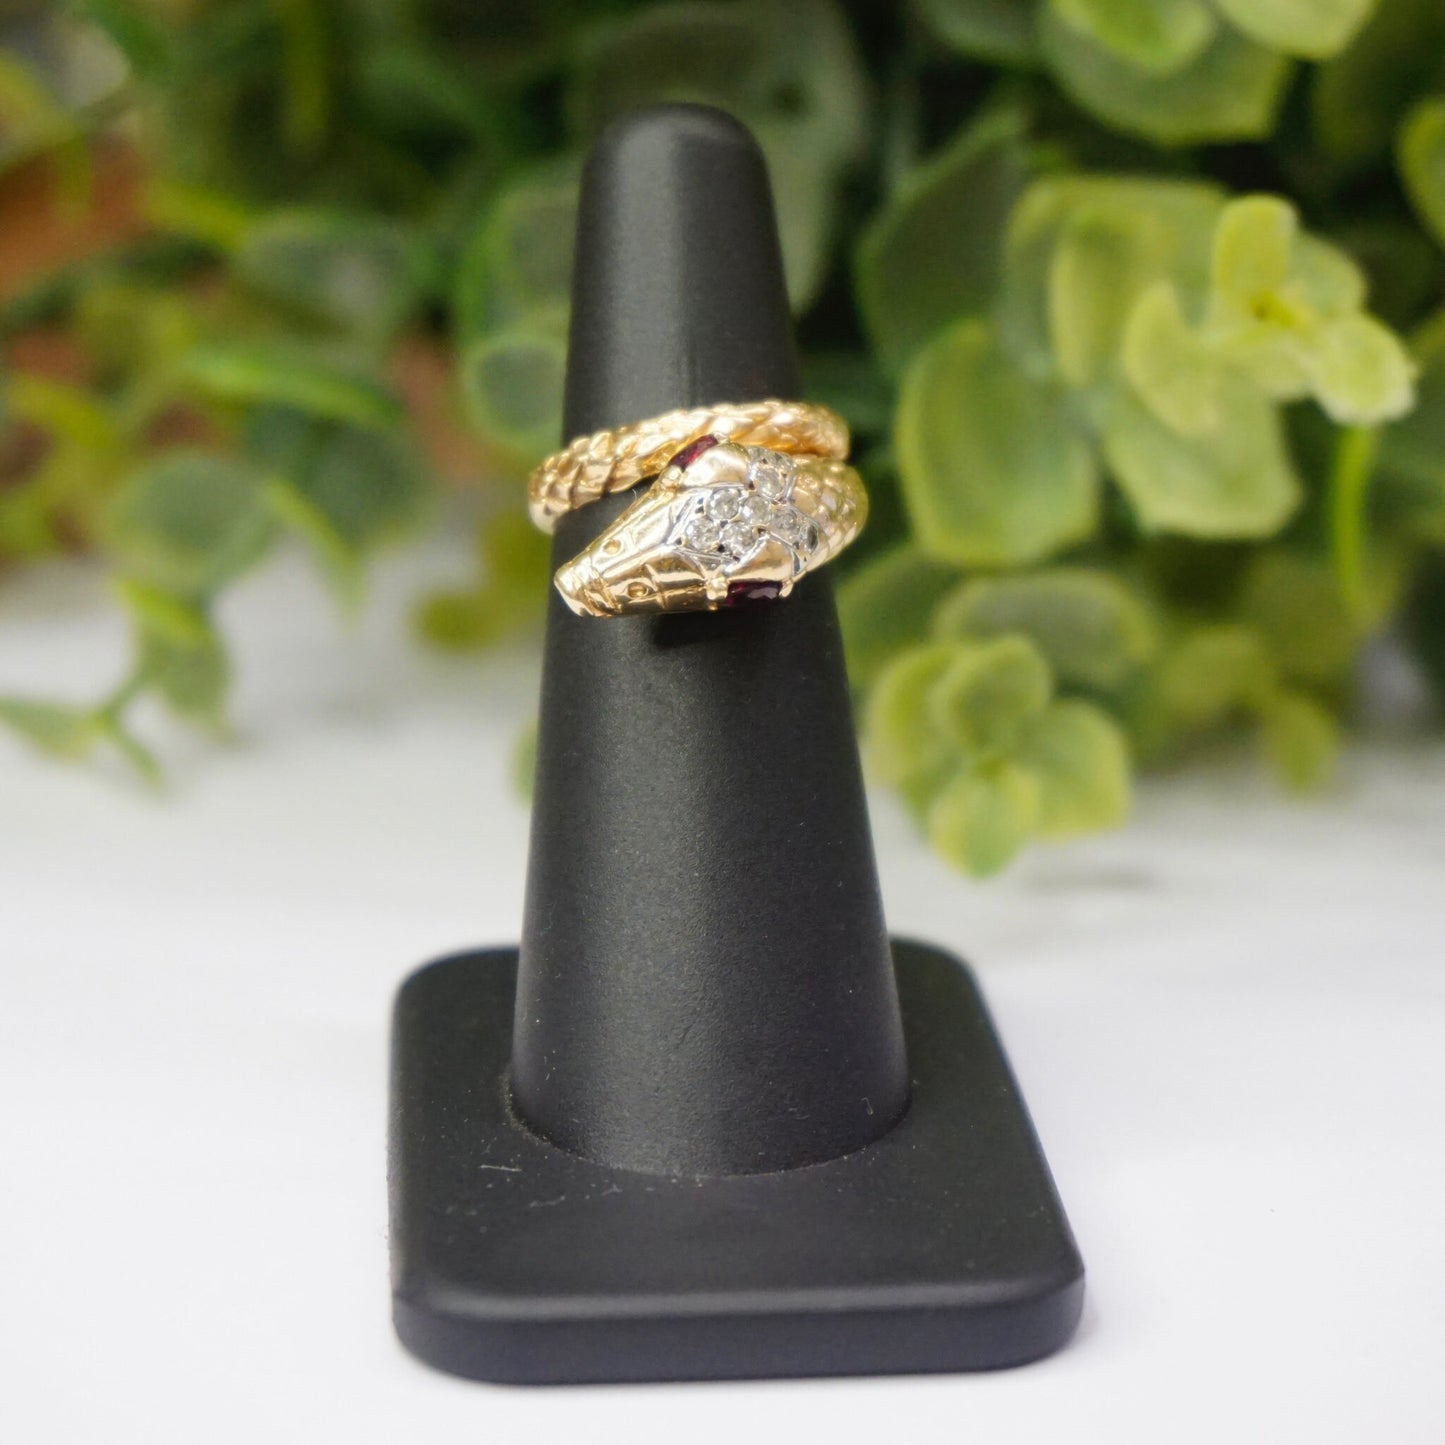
x=1229 y=1021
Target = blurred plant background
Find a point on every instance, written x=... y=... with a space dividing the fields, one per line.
x=1136 y=308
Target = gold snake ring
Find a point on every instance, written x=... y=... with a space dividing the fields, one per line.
x=725 y=524
x=611 y=461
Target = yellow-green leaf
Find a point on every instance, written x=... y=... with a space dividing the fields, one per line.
x=1311 y=29
x=1102 y=260
x=1237 y=481
x=1229 y=91
x=993 y=469
x=259 y=374
x=988 y=691
x=512 y=385
x=1253 y=243
x=189 y=521
x=1295 y=603
x=886 y=604
x=1081 y=760
x=1301 y=741
x=1001 y=31
x=1158 y=36
x=982 y=816
x=902 y=738
x=932 y=253
x=55 y=728
x=1092 y=629
x=1169 y=366
x=1422 y=162
x=1360 y=372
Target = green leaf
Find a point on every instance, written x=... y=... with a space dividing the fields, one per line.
x=512 y=385
x=519 y=261
x=1359 y=372
x=515 y=561
x=886 y=604
x=1174 y=373
x=338 y=561
x=149 y=48
x=54 y=728
x=140 y=757
x=1422 y=162
x=1285 y=308
x=1081 y=760
x=209 y=217
x=902 y=739
x=993 y=470
x=983 y=816
x=1237 y=481
x=65 y=413
x=459 y=620
x=1311 y=29
x=343 y=490
x=1158 y=36
x=369 y=487
x=1001 y=31
x=189 y=521
x=1300 y=740
x=1103 y=258
x=516 y=558
x=284 y=376
x=1166 y=227
x=1212 y=673
x=359 y=273
x=175 y=619
x=1253 y=245
x=989 y=691
x=179 y=653
x=1358 y=99
x=1414 y=446
x=1092 y=629
x=1295 y=604
x=932 y=253
x=1230 y=91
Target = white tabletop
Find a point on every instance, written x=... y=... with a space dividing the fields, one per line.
x=1228 y=1020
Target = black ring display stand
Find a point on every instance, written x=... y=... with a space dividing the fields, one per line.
x=707 y=1121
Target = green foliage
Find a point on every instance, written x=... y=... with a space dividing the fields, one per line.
x=1153 y=421
x=993 y=468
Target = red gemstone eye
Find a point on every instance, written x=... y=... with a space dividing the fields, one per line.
x=740 y=594
x=692 y=451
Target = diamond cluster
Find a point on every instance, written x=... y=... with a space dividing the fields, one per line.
x=729 y=521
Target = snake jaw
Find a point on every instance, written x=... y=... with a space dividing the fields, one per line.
x=721 y=528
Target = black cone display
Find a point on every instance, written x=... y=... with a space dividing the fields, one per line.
x=707 y=1122
x=706 y=985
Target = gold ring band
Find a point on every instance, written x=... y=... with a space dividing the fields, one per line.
x=724 y=525
x=611 y=461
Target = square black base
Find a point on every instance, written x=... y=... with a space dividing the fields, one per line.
x=943 y=1246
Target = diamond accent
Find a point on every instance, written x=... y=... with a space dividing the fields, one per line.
x=771 y=477
x=755 y=510
x=723 y=504
x=789 y=525
x=702 y=535
x=739 y=538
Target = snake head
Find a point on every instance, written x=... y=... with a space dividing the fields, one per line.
x=717 y=528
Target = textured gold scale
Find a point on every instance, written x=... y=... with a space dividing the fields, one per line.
x=611 y=461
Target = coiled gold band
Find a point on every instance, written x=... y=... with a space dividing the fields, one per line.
x=591 y=466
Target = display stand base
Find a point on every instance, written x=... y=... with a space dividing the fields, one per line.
x=942 y=1246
